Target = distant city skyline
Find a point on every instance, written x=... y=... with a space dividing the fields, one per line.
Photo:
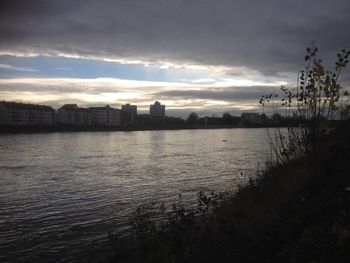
x=158 y=109
x=202 y=56
x=14 y=114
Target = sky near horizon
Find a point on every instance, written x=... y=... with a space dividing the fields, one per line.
x=208 y=56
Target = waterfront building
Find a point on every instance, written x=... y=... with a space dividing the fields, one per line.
x=129 y=113
x=157 y=110
x=13 y=113
x=105 y=116
x=71 y=114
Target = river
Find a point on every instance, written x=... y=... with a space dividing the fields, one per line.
x=60 y=192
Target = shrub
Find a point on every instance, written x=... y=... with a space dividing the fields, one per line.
x=317 y=101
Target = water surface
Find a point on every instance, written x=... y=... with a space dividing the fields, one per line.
x=59 y=192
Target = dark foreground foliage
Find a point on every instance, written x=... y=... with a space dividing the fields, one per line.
x=298 y=211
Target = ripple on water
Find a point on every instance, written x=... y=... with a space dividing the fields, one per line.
x=60 y=192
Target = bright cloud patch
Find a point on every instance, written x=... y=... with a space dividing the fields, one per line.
x=100 y=91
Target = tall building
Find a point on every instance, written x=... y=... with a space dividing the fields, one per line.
x=13 y=113
x=157 y=110
x=129 y=113
x=105 y=116
x=71 y=114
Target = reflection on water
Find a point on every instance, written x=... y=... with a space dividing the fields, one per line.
x=59 y=192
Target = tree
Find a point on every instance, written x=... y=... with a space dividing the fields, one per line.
x=226 y=117
x=317 y=100
x=192 y=118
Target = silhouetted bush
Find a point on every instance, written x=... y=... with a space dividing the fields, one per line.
x=317 y=101
x=297 y=210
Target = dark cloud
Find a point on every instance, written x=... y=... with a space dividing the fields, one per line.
x=227 y=94
x=268 y=36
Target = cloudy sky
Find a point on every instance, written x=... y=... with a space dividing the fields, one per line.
x=209 y=56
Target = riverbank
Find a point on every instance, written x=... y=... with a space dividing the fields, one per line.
x=298 y=211
x=48 y=129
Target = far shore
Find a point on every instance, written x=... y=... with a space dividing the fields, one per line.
x=48 y=129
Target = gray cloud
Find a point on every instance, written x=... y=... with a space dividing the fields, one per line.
x=227 y=94
x=268 y=36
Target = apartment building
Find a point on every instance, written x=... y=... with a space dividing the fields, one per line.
x=129 y=113
x=13 y=113
x=157 y=110
x=71 y=114
x=105 y=116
